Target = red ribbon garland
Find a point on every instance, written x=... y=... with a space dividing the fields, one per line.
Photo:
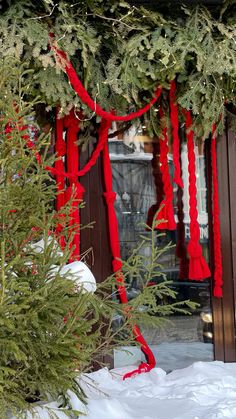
x=110 y=197
x=85 y=98
x=198 y=268
x=166 y=212
x=217 y=291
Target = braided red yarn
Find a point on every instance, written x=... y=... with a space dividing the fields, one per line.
x=198 y=268
x=85 y=98
x=96 y=153
x=166 y=212
x=75 y=190
x=110 y=197
x=174 y=117
x=217 y=291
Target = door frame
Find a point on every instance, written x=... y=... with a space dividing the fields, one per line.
x=224 y=308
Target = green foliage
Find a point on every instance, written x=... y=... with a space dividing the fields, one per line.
x=144 y=266
x=41 y=353
x=122 y=52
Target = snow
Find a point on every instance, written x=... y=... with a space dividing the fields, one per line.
x=79 y=273
x=204 y=390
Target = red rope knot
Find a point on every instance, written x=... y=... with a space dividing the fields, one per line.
x=70 y=120
x=194 y=249
x=110 y=197
x=166 y=216
x=79 y=191
x=198 y=268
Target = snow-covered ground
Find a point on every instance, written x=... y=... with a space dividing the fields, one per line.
x=204 y=390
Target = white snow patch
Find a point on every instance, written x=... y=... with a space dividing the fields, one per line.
x=204 y=390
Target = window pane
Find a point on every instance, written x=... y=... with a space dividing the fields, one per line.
x=187 y=338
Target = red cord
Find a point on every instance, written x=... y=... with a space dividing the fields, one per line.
x=96 y=153
x=85 y=98
x=174 y=117
x=198 y=268
x=217 y=291
x=75 y=190
x=110 y=197
x=166 y=212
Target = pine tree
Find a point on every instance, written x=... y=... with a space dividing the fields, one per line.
x=51 y=330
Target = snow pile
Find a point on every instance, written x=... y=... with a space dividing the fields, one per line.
x=205 y=390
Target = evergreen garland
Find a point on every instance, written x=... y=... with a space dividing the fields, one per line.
x=122 y=52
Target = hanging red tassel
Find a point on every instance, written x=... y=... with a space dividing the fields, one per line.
x=217 y=291
x=166 y=211
x=198 y=268
x=110 y=197
x=174 y=117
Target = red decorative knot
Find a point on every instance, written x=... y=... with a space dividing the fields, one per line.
x=166 y=212
x=218 y=279
x=198 y=268
x=174 y=117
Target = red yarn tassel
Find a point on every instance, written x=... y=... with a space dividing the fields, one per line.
x=217 y=291
x=198 y=268
x=166 y=212
x=174 y=117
